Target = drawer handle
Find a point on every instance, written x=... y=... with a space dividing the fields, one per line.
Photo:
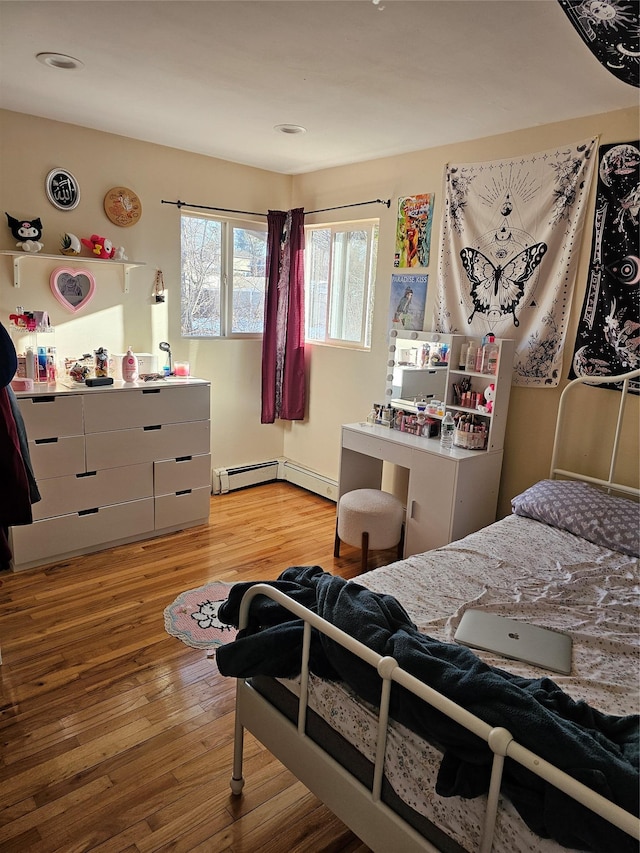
x=184 y=458
x=42 y=399
x=151 y=390
x=156 y=426
x=46 y=440
x=87 y=474
x=184 y=492
x=89 y=511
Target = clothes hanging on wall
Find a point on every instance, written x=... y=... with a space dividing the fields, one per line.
x=18 y=487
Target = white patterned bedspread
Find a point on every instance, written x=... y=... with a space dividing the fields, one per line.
x=525 y=570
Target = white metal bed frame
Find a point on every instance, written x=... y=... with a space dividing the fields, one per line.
x=359 y=807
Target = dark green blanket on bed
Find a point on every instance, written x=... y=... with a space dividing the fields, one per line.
x=600 y=750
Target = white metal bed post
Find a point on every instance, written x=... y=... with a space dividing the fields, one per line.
x=594 y=380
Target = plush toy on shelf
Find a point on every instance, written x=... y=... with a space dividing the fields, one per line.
x=101 y=247
x=120 y=254
x=489 y=395
x=27 y=232
x=70 y=245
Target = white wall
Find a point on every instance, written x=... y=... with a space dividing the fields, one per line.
x=342 y=383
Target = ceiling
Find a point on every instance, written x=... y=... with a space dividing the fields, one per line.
x=365 y=80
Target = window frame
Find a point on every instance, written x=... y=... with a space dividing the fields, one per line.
x=372 y=226
x=227 y=226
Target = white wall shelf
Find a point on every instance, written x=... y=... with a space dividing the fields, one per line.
x=77 y=260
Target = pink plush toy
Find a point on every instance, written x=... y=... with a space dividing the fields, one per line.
x=102 y=247
x=489 y=394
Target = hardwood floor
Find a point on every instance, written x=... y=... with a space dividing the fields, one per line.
x=117 y=737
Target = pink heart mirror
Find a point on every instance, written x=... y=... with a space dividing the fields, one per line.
x=72 y=288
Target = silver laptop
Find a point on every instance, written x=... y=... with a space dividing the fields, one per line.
x=516 y=640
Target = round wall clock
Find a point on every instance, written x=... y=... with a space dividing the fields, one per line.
x=122 y=206
x=62 y=189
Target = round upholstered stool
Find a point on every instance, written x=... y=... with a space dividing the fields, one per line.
x=371 y=520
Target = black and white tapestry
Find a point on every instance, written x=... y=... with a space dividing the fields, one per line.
x=509 y=251
x=608 y=336
x=609 y=28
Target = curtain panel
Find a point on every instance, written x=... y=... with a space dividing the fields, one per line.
x=283 y=374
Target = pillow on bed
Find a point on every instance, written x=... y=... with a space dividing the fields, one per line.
x=585 y=511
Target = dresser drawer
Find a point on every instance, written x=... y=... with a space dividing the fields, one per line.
x=115 y=410
x=186 y=472
x=189 y=507
x=52 y=416
x=54 y=538
x=57 y=457
x=130 y=446
x=64 y=495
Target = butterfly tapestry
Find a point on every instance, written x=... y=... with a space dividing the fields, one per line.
x=497 y=289
x=509 y=253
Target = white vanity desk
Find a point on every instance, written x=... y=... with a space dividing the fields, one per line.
x=450 y=492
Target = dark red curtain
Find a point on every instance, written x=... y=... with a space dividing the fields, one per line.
x=283 y=379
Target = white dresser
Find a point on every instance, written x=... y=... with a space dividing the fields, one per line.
x=114 y=464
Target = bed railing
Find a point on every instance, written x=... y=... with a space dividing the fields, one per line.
x=624 y=379
x=499 y=740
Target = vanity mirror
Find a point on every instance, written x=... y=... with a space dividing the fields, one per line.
x=417 y=367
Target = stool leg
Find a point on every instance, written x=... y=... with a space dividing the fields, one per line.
x=401 y=543
x=336 y=544
x=365 y=551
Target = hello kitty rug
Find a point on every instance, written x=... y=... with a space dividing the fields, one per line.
x=193 y=617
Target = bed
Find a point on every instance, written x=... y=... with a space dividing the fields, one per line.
x=420 y=744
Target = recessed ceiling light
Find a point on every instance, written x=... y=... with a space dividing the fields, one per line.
x=290 y=128
x=59 y=60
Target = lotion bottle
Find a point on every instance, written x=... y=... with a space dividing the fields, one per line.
x=471 y=356
x=129 y=366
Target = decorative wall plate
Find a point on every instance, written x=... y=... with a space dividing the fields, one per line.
x=122 y=206
x=72 y=288
x=62 y=189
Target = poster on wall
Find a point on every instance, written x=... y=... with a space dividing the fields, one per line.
x=608 y=335
x=408 y=300
x=413 y=231
x=509 y=253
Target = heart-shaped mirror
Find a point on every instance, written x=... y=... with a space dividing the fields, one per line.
x=72 y=288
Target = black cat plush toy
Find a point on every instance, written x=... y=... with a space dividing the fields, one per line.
x=27 y=232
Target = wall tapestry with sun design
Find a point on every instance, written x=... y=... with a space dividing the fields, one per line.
x=608 y=337
x=609 y=28
x=509 y=250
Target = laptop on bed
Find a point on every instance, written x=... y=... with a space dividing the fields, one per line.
x=516 y=640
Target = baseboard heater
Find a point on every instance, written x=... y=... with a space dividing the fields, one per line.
x=228 y=479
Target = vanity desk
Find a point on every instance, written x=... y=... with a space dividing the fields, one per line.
x=450 y=492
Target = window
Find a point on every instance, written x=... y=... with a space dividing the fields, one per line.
x=223 y=277
x=340 y=266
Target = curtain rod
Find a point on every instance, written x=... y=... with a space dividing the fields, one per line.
x=253 y=213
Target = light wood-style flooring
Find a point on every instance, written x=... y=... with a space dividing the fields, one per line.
x=115 y=736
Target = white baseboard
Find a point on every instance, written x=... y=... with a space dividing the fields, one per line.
x=225 y=480
x=309 y=480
